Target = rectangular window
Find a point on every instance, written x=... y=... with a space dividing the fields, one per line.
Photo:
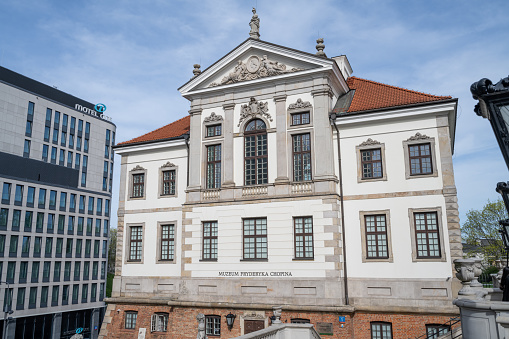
x=18 y=195
x=426 y=234
x=67 y=271
x=82 y=204
x=70 y=225
x=159 y=322
x=89 y=226
x=210 y=240
x=37 y=247
x=42 y=198
x=39 y=223
x=77 y=270
x=255 y=238
x=167 y=242
x=214 y=166
x=63 y=139
x=4 y=216
x=45 y=150
x=381 y=330
x=138 y=185
x=52 y=200
x=58 y=247
x=8 y=298
x=300 y=118
x=80 y=125
x=84 y=293
x=86 y=270
x=107 y=207
x=65 y=119
x=96 y=248
x=68 y=248
x=79 y=246
x=63 y=201
x=81 y=223
x=11 y=270
x=47 y=131
x=13 y=246
x=72 y=203
x=53 y=155
x=435 y=331
x=135 y=243
x=75 y=293
x=20 y=303
x=77 y=162
x=44 y=296
x=420 y=159
x=30 y=196
x=78 y=143
x=16 y=217
x=95 y=270
x=28 y=220
x=55 y=136
x=25 y=247
x=23 y=270
x=73 y=124
x=85 y=145
x=46 y=269
x=61 y=160
x=56 y=271
x=2 y=246
x=55 y=295
x=105 y=228
x=61 y=224
x=304 y=248
x=90 y=205
x=130 y=320
x=71 y=140
x=376 y=237
x=88 y=247
x=57 y=118
x=65 y=294
x=32 y=299
x=168 y=182
x=301 y=157
x=51 y=223
x=99 y=209
x=49 y=247
x=28 y=129
x=35 y=272
x=6 y=193
x=106 y=151
x=26 y=149
x=69 y=159
x=87 y=128
x=371 y=161
x=213 y=131
x=48 y=115
x=213 y=325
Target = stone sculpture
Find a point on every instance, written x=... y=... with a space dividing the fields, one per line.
x=255 y=26
x=253 y=109
x=201 y=326
x=276 y=311
x=254 y=68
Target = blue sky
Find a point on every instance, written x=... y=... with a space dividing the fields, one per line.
x=133 y=55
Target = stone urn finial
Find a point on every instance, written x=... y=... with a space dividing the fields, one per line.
x=276 y=311
x=477 y=272
x=320 y=47
x=196 y=70
x=465 y=273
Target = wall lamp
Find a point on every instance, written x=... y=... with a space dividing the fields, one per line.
x=230 y=319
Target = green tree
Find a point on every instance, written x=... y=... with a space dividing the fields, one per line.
x=481 y=230
x=112 y=250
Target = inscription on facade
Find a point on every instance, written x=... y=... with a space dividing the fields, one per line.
x=254 y=274
x=324 y=328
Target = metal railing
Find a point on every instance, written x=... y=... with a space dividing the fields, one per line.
x=453 y=324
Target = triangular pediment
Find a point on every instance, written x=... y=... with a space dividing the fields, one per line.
x=255 y=60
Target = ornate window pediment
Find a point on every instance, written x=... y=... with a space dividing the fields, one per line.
x=300 y=104
x=213 y=117
x=370 y=142
x=137 y=168
x=254 y=109
x=255 y=68
x=418 y=136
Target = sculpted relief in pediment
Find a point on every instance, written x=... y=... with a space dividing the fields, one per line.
x=255 y=68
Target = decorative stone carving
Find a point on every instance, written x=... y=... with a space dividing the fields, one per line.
x=300 y=104
x=201 y=326
x=418 y=136
x=255 y=25
x=252 y=109
x=253 y=315
x=168 y=164
x=137 y=168
x=255 y=68
x=213 y=118
x=320 y=47
x=465 y=273
x=276 y=311
x=196 y=70
x=370 y=142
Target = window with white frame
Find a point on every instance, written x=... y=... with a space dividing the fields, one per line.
x=213 y=325
x=159 y=322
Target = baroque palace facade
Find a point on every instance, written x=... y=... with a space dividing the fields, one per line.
x=290 y=183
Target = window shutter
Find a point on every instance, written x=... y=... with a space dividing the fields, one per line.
x=153 y=321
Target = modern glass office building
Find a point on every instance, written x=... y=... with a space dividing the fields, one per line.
x=56 y=167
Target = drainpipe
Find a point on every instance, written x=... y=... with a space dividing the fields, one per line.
x=332 y=118
x=186 y=139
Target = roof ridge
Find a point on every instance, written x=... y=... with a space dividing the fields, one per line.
x=401 y=88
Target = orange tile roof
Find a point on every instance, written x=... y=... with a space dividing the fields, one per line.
x=173 y=130
x=374 y=95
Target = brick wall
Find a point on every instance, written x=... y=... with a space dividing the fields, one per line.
x=182 y=323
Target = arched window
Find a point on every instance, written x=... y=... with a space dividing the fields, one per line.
x=255 y=153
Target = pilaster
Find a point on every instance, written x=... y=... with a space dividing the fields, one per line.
x=281 y=119
x=228 y=145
